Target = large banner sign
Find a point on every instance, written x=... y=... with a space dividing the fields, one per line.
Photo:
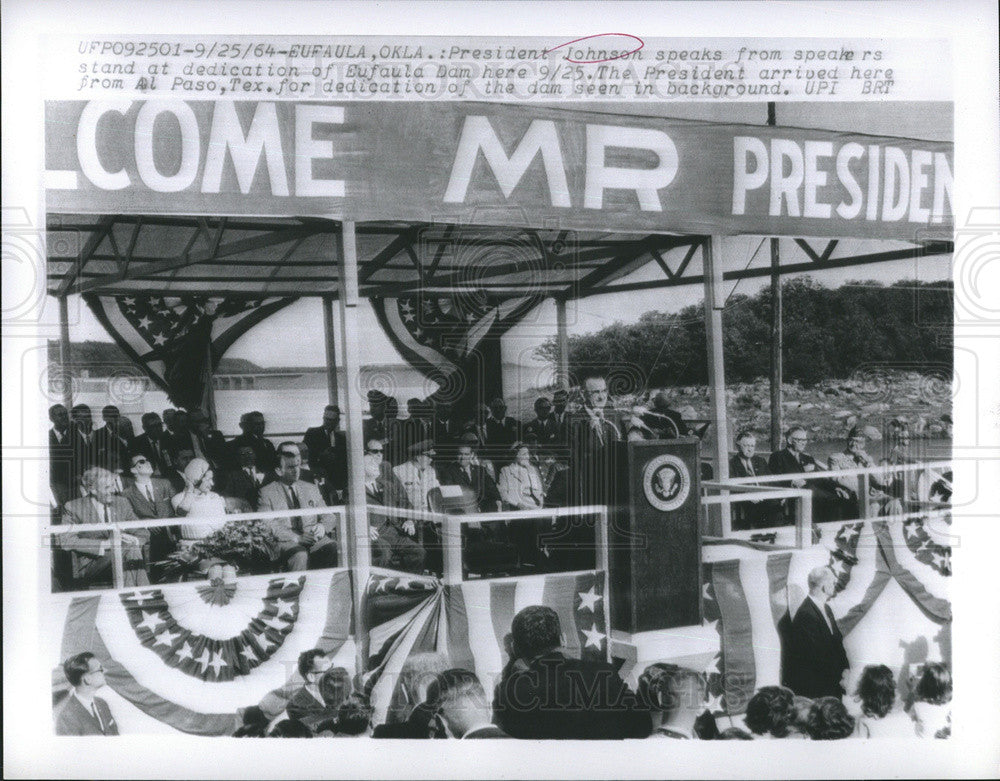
x=491 y=164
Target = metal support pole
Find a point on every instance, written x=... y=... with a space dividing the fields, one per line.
x=64 y=353
x=331 y=348
x=562 y=345
x=711 y=250
x=777 y=370
x=357 y=544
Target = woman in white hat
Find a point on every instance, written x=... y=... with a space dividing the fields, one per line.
x=198 y=500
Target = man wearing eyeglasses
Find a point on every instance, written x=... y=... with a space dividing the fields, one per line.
x=392 y=538
x=83 y=713
x=149 y=497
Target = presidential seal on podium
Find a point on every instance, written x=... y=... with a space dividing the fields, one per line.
x=666 y=482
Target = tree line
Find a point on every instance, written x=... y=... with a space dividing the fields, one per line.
x=828 y=333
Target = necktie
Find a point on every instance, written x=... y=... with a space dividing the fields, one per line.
x=105 y=513
x=100 y=723
x=749 y=465
x=829 y=618
x=149 y=494
x=294 y=504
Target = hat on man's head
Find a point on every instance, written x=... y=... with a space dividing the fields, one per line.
x=422 y=448
x=375 y=396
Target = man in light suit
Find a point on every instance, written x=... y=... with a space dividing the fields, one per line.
x=306 y=541
x=83 y=713
x=815 y=660
x=91 y=550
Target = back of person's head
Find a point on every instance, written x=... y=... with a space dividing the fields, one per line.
x=460 y=699
x=829 y=720
x=290 y=728
x=353 y=716
x=415 y=677
x=877 y=690
x=534 y=631
x=771 y=711
x=254 y=716
x=934 y=685
x=800 y=714
x=76 y=667
x=734 y=733
x=669 y=688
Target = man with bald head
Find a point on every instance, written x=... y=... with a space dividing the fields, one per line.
x=815 y=659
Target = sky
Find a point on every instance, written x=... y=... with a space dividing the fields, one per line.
x=294 y=336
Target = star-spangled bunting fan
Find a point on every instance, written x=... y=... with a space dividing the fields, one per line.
x=454 y=339
x=178 y=341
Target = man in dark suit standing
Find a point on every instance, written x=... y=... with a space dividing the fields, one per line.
x=328 y=454
x=815 y=659
x=111 y=449
x=82 y=442
x=594 y=435
x=793 y=459
x=760 y=514
x=82 y=712
x=193 y=431
x=60 y=455
x=544 y=694
x=253 y=426
x=544 y=427
x=154 y=444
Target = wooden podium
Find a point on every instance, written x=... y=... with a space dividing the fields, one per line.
x=654 y=538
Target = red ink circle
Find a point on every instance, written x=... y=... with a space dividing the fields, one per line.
x=599 y=35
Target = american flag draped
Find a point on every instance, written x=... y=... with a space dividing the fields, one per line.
x=178 y=341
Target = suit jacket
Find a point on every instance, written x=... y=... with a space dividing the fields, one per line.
x=556 y=697
x=73 y=718
x=417 y=485
x=545 y=431
x=517 y=484
x=110 y=450
x=265 y=454
x=61 y=466
x=237 y=484
x=274 y=496
x=816 y=658
x=86 y=545
x=783 y=462
x=212 y=445
x=593 y=452
x=418 y=726
x=84 y=454
x=160 y=507
x=162 y=461
x=327 y=460
x=484 y=486
x=501 y=433
x=388 y=491
x=738 y=469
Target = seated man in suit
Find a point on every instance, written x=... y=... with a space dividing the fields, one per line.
x=92 y=559
x=150 y=497
x=305 y=541
x=325 y=689
x=83 y=712
x=815 y=660
x=761 y=513
x=461 y=705
x=793 y=459
x=392 y=538
x=544 y=694
x=328 y=454
x=464 y=471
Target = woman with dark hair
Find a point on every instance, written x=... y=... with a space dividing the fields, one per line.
x=829 y=720
x=931 y=711
x=876 y=693
x=770 y=712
